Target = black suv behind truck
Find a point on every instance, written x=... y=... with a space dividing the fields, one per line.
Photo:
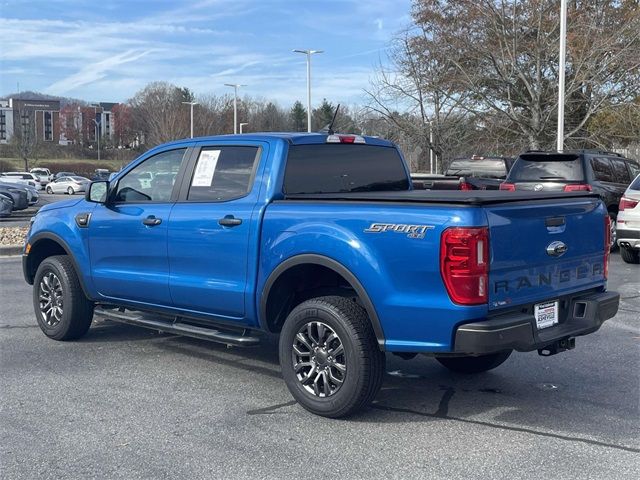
x=605 y=173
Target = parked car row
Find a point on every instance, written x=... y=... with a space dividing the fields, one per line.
x=16 y=195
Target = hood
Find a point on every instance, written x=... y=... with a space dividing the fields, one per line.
x=62 y=204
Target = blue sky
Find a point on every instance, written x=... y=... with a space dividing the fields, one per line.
x=107 y=50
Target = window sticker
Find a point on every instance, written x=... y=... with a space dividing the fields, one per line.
x=205 y=168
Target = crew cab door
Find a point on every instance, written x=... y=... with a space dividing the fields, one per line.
x=128 y=235
x=214 y=230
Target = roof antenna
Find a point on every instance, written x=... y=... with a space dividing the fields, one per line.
x=330 y=127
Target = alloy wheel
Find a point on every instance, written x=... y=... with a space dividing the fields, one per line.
x=51 y=299
x=319 y=360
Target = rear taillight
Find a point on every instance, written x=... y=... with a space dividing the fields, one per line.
x=627 y=203
x=508 y=186
x=581 y=187
x=466 y=186
x=464 y=264
x=607 y=244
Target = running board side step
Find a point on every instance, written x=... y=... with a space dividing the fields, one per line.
x=174 y=325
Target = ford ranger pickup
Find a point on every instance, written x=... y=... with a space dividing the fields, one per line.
x=321 y=240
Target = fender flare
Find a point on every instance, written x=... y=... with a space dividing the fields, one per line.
x=338 y=268
x=33 y=241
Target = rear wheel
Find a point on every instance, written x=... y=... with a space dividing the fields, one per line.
x=630 y=255
x=479 y=364
x=62 y=310
x=70 y=191
x=330 y=358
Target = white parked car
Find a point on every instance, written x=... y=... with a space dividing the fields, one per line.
x=43 y=174
x=628 y=223
x=68 y=185
x=24 y=178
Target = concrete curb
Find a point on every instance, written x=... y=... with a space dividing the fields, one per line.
x=6 y=250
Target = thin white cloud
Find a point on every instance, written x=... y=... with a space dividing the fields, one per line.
x=94 y=71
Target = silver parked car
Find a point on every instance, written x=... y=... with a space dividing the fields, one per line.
x=628 y=223
x=68 y=185
x=23 y=178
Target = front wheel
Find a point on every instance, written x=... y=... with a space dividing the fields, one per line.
x=479 y=364
x=330 y=358
x=62 y=310
x=630 y=255
x=49 y=190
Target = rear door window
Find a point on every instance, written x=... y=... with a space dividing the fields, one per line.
x=531 y=167
x=620 y=171
x=335 y=168
x=602 y=169
x=223 y=173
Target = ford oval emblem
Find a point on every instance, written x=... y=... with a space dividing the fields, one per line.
x=537 y=187
x=557 y=249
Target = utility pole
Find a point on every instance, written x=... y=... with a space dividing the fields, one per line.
x=561 y=71
x=235 y=104
x=242 y=125
x=431 y=147
x=308 y=53
x=192 y=104
x=97 y=135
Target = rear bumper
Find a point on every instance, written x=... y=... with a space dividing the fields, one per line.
x=628 y=238
x=584 y=314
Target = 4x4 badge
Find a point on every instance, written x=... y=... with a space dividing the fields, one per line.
x=557 y=249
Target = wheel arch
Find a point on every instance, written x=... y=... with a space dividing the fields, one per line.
x=44 y=245
x=314 y=260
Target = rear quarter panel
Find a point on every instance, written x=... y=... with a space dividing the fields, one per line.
x=400 y=274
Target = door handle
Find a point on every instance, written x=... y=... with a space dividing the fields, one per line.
x=229 y=221
x=152 y=221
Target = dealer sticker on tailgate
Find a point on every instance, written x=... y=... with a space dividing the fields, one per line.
x=546 y=314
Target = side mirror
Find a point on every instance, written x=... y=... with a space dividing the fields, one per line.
x=97 y=192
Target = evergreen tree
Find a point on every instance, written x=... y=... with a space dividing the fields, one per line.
x=298 y=117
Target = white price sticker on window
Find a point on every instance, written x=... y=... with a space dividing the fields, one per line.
x=205 y=168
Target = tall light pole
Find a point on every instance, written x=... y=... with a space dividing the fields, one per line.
x=235 y=104
x=97 y=135
x=192 y=104
x=242 y=125
x=561 y=69
x=308 y=53
x=431 y=146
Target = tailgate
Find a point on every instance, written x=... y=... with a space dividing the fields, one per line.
x=526 y=241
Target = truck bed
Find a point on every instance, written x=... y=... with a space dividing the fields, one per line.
x=480 y=197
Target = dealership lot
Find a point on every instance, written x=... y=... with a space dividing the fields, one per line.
x=132 y=403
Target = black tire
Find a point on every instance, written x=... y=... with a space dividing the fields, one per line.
x=364 y=362
x=75 y=313
x=70 y=191
x=49 y=191
x=630 y=255
x=477 y=364
x=614 y=232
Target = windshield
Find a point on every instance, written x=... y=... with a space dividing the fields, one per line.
x=494 y=168
x=541 y=167
x=334 y=168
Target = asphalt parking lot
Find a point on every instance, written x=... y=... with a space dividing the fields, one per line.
x=20 y=218
x=126 y=402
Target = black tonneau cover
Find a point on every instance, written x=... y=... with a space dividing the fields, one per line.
x=476 y=197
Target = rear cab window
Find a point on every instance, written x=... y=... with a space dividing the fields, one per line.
x=338 y=168
x=532 y=167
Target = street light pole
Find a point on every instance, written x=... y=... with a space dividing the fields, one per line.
x=431 y=146
x=235 y=104
x=242 y=125
x=561 y=71
x=97 y=136
x=308 y=53
x=192 y=104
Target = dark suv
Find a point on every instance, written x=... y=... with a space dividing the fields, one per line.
x=605 y=173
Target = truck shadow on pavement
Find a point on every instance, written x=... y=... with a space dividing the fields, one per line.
x=514 y=397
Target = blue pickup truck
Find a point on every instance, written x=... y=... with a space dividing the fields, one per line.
x=321 y=240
